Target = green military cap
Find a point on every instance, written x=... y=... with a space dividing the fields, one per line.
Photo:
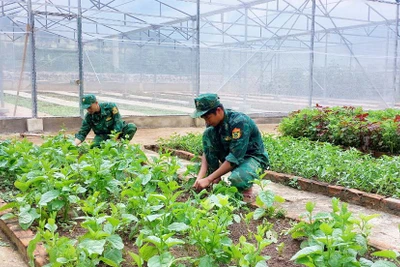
x=204 y=103
x=88 y=100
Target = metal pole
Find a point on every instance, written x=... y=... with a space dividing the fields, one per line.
x=198 y=48
x=325 y=67
x=80 y=55
x=246 y=19
x=1 y=84
x=193 y=72
x=1 y=75
x=243 y=86
x=33 y=59
x=396 y=44
x=386 y=86
x=311 y=81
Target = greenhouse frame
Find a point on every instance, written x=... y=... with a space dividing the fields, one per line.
x=152 y=57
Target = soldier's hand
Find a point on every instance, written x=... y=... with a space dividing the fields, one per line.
x=77 y=142
x=201 y=183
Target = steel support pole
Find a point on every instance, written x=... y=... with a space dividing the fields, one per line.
x=1 y=82
x=312 y=39
x=80 y=56
x=246 y=21
x=198 y=48
x=325 y=93
x=33 y=58
x=1 y=74
x=396 y=44
x=193 y=72
x=386 y=84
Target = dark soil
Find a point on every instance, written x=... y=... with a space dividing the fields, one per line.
x=236 y=231
x=280 y=226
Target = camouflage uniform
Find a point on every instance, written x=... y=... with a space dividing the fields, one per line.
x=102 y=123
x=237 y=140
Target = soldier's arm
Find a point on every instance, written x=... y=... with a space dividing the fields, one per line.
x=240 y=141
x=118 y=121
x=223 y=169
x=77 y=141
x=203 y=167
x=83 y=132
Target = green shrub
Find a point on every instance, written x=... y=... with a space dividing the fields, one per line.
x=346 y=126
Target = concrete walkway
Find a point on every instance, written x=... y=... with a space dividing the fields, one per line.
x=9 y=256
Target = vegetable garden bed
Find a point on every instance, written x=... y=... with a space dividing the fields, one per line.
x=115 y=198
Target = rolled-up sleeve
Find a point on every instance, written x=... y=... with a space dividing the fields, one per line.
x=240 y=141
x=84 y=131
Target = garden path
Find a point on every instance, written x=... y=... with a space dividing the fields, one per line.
x=9 y=256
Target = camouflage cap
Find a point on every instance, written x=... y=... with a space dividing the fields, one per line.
x=88 y=100
x=204 y=103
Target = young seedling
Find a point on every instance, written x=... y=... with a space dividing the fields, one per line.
x=280 y=249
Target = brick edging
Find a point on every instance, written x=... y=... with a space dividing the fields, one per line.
x=354 y=196
x=21 y=239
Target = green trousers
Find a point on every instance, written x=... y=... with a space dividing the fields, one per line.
x=128 y=132
x=241 y=176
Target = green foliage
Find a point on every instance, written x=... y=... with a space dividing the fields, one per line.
x=346 y=126
x=189 y=142
x=333 y=239
x=328 y=163
x=280 y=248
x=266 y=201
x=208 y=229
x=322 y=161
x=388 y=254
x=248 y=254
x=116 y=190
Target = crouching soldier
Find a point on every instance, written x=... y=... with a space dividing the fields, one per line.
x=102 y=118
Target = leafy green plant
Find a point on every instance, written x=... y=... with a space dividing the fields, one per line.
x=328 y=163
x=266 y=200
x=189 y=142
x=346 y=126
x=280 y=248
x=208 y=230
x=333 y=239
x=388 y=254
x=62 y=250
x=247 y=254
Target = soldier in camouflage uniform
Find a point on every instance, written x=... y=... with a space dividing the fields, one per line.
x=231 y=142
x=102 y=118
